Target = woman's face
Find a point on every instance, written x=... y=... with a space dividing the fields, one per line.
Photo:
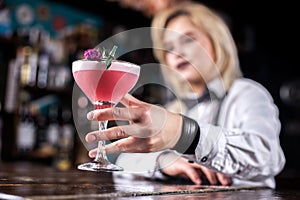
x=189 y=51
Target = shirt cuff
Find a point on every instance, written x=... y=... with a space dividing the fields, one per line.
x=189 y=138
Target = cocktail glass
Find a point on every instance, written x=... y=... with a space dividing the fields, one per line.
x=104 y=87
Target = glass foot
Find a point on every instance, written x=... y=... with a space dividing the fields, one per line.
x=98 y=167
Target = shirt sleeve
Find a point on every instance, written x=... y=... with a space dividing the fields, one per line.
x=140 y=164
x=246 y=143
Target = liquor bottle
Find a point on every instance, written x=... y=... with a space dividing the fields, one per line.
x=26 y=132
x=41 y=134
x=33 y=63
x=53 y=129
x=64 y=158
x=42 y=78
x=25 y=67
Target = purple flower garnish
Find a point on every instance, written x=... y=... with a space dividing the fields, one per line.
x=92 y=54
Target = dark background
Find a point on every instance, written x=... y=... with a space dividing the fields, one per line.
x=270 y=28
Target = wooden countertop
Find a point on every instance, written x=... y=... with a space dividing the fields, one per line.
x=23 y=180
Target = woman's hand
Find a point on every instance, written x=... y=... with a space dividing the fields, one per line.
x=175 y=165
x=151 y=128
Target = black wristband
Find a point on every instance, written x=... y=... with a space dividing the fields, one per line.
x=189 y=138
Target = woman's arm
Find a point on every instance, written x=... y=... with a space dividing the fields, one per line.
x=245 y=144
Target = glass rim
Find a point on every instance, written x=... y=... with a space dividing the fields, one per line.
x=100 y=65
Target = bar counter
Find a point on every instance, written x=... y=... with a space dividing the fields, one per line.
x=27 y=180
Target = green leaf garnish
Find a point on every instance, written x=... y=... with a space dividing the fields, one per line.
x=111 y=56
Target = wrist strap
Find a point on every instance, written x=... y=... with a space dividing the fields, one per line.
x=189 y=138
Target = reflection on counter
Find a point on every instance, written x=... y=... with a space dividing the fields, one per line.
x=22 y=178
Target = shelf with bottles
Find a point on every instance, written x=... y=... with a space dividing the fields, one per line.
x=42 y=98
x=38 y=77
x=45 y=130
x=37 y=71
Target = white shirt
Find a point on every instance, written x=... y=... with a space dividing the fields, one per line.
x=241 y=139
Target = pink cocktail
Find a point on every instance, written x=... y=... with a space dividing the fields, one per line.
x=104 y=88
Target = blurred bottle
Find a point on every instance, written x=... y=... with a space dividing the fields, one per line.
x=33 y=63
x=41 y=134
x=26 y=132
x=64 y=158
x=53 y=129
x=25 y=67
x=42 y=78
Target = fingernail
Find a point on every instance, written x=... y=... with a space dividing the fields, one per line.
x=198 y=181
x=90 y=138
x=92 y=154
x=226 y=181
x=90 y=115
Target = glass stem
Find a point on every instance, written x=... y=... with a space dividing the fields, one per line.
x=101 y=154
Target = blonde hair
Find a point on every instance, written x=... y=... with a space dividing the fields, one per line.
x=213 y=25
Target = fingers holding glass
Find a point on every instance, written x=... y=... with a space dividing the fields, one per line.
x=147 y=124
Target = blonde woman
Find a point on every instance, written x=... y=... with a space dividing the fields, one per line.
x=226 y=124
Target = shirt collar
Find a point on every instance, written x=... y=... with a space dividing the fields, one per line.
x=216 y=86
x=214 y=90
